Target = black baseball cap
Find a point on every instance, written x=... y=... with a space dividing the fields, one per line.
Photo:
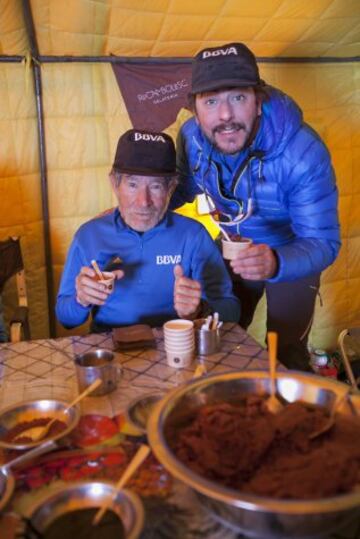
x=231 y=65
x=145 y=153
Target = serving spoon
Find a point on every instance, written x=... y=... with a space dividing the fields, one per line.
x=133 y=465
x=329 y=423
x=37 y=433
x=272 y=403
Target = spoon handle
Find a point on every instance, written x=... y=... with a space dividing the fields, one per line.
x=31 y=454
x=97 y=269
x=272 y=345
x=82 y=395
x=138 y=458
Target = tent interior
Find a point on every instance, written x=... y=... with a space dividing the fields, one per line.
x=62 y=112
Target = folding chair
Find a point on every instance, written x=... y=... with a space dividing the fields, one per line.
x=349 y=344
x=11 y=263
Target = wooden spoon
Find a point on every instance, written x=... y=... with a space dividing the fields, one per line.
x=272 y=402
x=329 y=423
x=37 y=433
x=133 y=465
x=98 y=270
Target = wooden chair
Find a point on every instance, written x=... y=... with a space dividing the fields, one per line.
x=11 y=263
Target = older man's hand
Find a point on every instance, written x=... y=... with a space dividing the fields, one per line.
x=256 y=263
x=187 y=294
x=90 y=291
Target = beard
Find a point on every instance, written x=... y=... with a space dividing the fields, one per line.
x=236 y=144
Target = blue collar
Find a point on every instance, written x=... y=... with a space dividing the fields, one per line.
x=120 y=224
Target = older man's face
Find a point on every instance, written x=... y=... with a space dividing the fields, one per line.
x=143 y=200
x=228 y=117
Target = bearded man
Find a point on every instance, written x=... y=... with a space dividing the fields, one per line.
x=269 y=177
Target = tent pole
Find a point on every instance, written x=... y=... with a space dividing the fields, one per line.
x=30 y=29
x=152 y=60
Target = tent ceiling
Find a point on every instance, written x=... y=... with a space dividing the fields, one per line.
x=179 y=28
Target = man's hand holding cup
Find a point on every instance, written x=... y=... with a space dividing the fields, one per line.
x=90 y=290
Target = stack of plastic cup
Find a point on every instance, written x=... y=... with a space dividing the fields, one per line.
x=179 y=341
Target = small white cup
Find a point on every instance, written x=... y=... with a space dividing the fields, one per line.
x=232 y=249
x=108 y=282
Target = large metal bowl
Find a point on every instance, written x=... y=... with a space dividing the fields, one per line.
x=27 y=411
x=84 y=495
x=140 y=408
x=256 y=516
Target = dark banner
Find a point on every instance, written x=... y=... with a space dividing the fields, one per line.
x=154 y=93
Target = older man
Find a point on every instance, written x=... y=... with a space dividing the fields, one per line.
x=269 y=176
x=165 y=265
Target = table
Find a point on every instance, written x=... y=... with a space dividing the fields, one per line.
x=45 y=368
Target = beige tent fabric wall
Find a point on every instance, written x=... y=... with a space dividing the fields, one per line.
x=161 y=28
x=20 y=191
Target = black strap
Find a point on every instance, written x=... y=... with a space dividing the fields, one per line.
x=252 y=154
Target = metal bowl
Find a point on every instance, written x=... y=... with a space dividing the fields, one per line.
x=139 y=410
x=27 y=411
x=7 y=485
x=7 y=480
x=256 y=516
x=84 y=495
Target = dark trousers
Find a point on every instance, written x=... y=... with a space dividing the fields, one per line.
x=290 y=311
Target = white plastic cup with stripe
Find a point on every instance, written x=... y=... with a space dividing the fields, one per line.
x=179 y=342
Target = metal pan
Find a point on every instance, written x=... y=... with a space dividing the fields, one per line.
x=7 y=481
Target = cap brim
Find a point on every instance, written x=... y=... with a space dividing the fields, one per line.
x=144 y=172
x=209 y=86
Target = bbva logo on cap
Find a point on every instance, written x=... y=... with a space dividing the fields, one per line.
x=148 y=137
x=220 y=52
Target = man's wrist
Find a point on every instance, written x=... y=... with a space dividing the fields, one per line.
x=84 y=305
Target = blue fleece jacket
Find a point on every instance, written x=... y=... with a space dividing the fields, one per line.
x=145 y=293
x=289 y=178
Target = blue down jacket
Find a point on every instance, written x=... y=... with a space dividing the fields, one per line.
x=289 y=177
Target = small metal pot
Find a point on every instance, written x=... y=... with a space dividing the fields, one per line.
x=95 y=364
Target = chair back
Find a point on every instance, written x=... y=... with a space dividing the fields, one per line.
x=11 y=263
